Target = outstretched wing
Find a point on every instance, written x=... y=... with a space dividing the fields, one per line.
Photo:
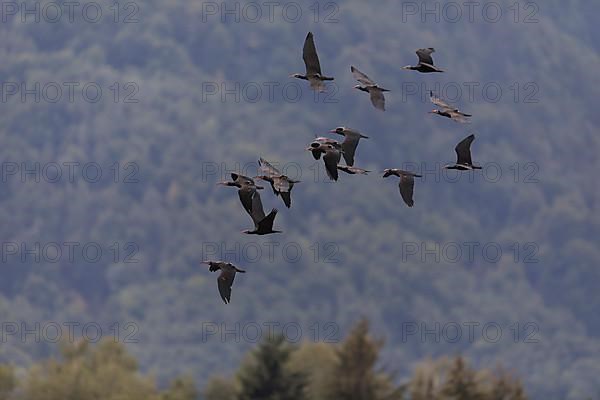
x=463 y=151
x=440 y=103
x=309 y=55
x=377 y=98
x=332 y=158
x=224 y=282
x=406 y=185
x=267 y=169
x=266 y=224
x=361 y=77
x=247 y=194
x=287 y=198
x=425 y=55
x=257 y=213
x=349 y=146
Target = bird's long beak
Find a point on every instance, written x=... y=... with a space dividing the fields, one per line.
x=332 y=131
x=205 y=262
x=222 y=183
x=309 y=149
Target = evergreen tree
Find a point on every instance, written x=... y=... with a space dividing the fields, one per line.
x=266 y=375
x=461 y=383
x=354 y=376
x=505 y=387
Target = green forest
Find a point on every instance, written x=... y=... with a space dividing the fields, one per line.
x=274 y=370
x=109 y=203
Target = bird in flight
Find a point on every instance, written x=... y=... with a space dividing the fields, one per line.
x=281 y=184
x=463 y=156
x=352 y=170
x=406 y=184
x=226 y=277
x=247 y=191
x=313 y=68
x=425 y=64
x=446 y=110
x=367 y=85
x=263 y=225
x=350 y=143
x=332 y=154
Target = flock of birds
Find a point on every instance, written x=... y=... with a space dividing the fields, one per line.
x=332 y=153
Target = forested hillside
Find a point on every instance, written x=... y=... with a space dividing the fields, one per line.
x=164 y=131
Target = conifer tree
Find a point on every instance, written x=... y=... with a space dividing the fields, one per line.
x=266 y=375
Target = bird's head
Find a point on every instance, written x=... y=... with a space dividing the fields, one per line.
x=410 y=67
x=434 y=112
x=297 y=75
x=211 y=265
x=387 y=172
x=313 y=146
x=340 y=130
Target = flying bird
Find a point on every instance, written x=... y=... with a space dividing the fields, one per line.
x=350 y=143
x=263 y=225
x=367 y=85
x=313 y=67
x=281 y=184
x=332 y=154
x=314 y=146
x=406 y=184
x=226 y=277
x=463 y=155
x=249 y=196
x=425 y=64
x=447 y=110
x=352 y=170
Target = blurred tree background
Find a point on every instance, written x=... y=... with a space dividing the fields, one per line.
x=181 y=141
x=274 y=370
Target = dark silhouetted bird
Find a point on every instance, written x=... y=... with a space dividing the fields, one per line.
x=263 y=225
x=332 y=154
x=352 y=170
x=351 y=139
x=447 y=110
x=367 y=85
x=247 y=192
x=281 y=184
x=226 y=277
x=463 y=155
x=406 y=184
x=313 y=67
x=425 y=64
